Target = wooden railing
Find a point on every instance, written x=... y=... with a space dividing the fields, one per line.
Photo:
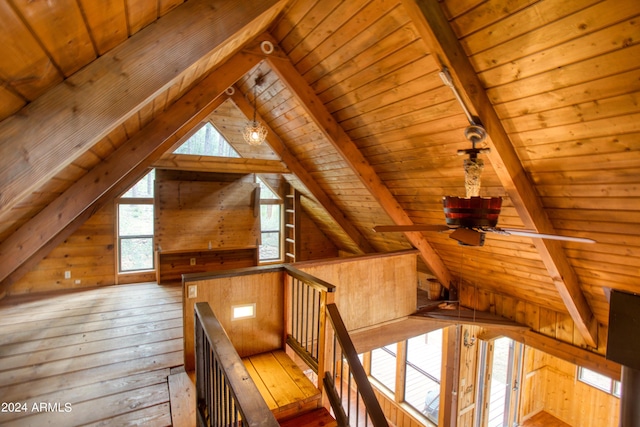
x=225 y=394
x=306 y=299
x=346 y=374
x=314 y=330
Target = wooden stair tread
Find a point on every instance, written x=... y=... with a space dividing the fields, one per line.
x=282 y=384
x=316 y=418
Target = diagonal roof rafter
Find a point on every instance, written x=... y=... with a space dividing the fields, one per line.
x=436 y=32
x=294 y=165
x=120 y=169
x=348 y=150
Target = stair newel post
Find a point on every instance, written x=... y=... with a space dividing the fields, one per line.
x=287 y=308
x=325 y=340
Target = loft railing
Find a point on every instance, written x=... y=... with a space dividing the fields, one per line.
x=314 y=330
x=225 y=394
x=306 y=299
x=345 y=373
x=343 y=379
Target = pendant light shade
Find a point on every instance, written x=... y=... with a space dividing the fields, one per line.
x=254 y=132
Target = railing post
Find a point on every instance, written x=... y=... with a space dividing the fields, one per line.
x=325 y=339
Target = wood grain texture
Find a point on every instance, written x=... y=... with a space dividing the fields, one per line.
x=105 y=351
x=249 y=336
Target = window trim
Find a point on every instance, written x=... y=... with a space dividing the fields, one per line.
x=123 y=200
x=614 y=385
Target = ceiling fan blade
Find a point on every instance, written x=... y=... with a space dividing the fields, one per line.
x=406 y=228
x=528 y=233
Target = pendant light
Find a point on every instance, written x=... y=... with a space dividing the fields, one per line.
x=254 y=132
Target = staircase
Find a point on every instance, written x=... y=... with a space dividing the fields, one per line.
x=316 y=418
x=269 y=389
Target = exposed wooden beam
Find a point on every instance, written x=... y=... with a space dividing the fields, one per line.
x=570 y=353
x=197 y=163
x=305 y=177
x=48 y=134
x=392 y=332
x=124 y=165
x=354 y=158
x=435 y=30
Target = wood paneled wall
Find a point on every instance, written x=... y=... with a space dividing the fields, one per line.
x=88 y=254
x=550 y=385
x=552 y=323
x=201 y=211
x=395 y=413
x=314 y=244
x=370 y=289
x=249 y=336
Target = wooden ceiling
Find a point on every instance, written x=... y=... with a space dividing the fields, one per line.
x=92 y=95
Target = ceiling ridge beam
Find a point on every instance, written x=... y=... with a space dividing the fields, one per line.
x=305 y=177
x=200 y=163
x=122 y=168
x=49 y=133
x=348 y=150
x=434 y=28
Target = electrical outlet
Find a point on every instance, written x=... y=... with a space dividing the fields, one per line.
x=192 y=261
x=193 y=291
x=77 y=281
x=67 y=274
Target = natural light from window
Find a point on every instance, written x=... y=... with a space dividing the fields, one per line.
x=599 y=381
x=207 y=141
x=135 y=226
x=270 y=223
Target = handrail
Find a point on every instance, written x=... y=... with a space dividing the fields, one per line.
x=225 y=393
x=310 y=280
x=306 y=299
x=363 y=388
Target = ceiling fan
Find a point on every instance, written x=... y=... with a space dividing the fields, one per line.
x=471 y=217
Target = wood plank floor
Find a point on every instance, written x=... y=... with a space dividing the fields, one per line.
x=90 y=357
x=544 y=419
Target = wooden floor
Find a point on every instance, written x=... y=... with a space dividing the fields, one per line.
x=92 y=357
x=543 y=419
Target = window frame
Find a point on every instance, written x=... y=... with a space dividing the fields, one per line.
x=398 y=395
x=614 y=385
x=266 y=202
x=125 y=200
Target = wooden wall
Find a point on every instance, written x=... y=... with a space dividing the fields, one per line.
x=550 y=385
x=249 y=336
x=552 y=323
x=314 y=243
x=395 y=412
x=88 y=254
x=198 y=211
x=371 y=289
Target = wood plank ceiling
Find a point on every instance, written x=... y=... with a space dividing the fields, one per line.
x=359 y=114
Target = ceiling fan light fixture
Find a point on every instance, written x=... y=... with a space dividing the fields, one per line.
x=472 y=212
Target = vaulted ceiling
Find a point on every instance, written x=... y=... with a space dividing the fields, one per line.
x=93 y=94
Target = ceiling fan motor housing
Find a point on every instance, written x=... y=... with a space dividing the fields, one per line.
x=472 y=212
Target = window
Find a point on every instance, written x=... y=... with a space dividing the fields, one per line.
x=383 y=366
x=423 y=367
x=599 y=381
x=135 y=227
x=270 y=223
x=207 y=141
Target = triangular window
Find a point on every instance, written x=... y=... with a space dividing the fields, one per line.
x=266 y=193
x=207 y=141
